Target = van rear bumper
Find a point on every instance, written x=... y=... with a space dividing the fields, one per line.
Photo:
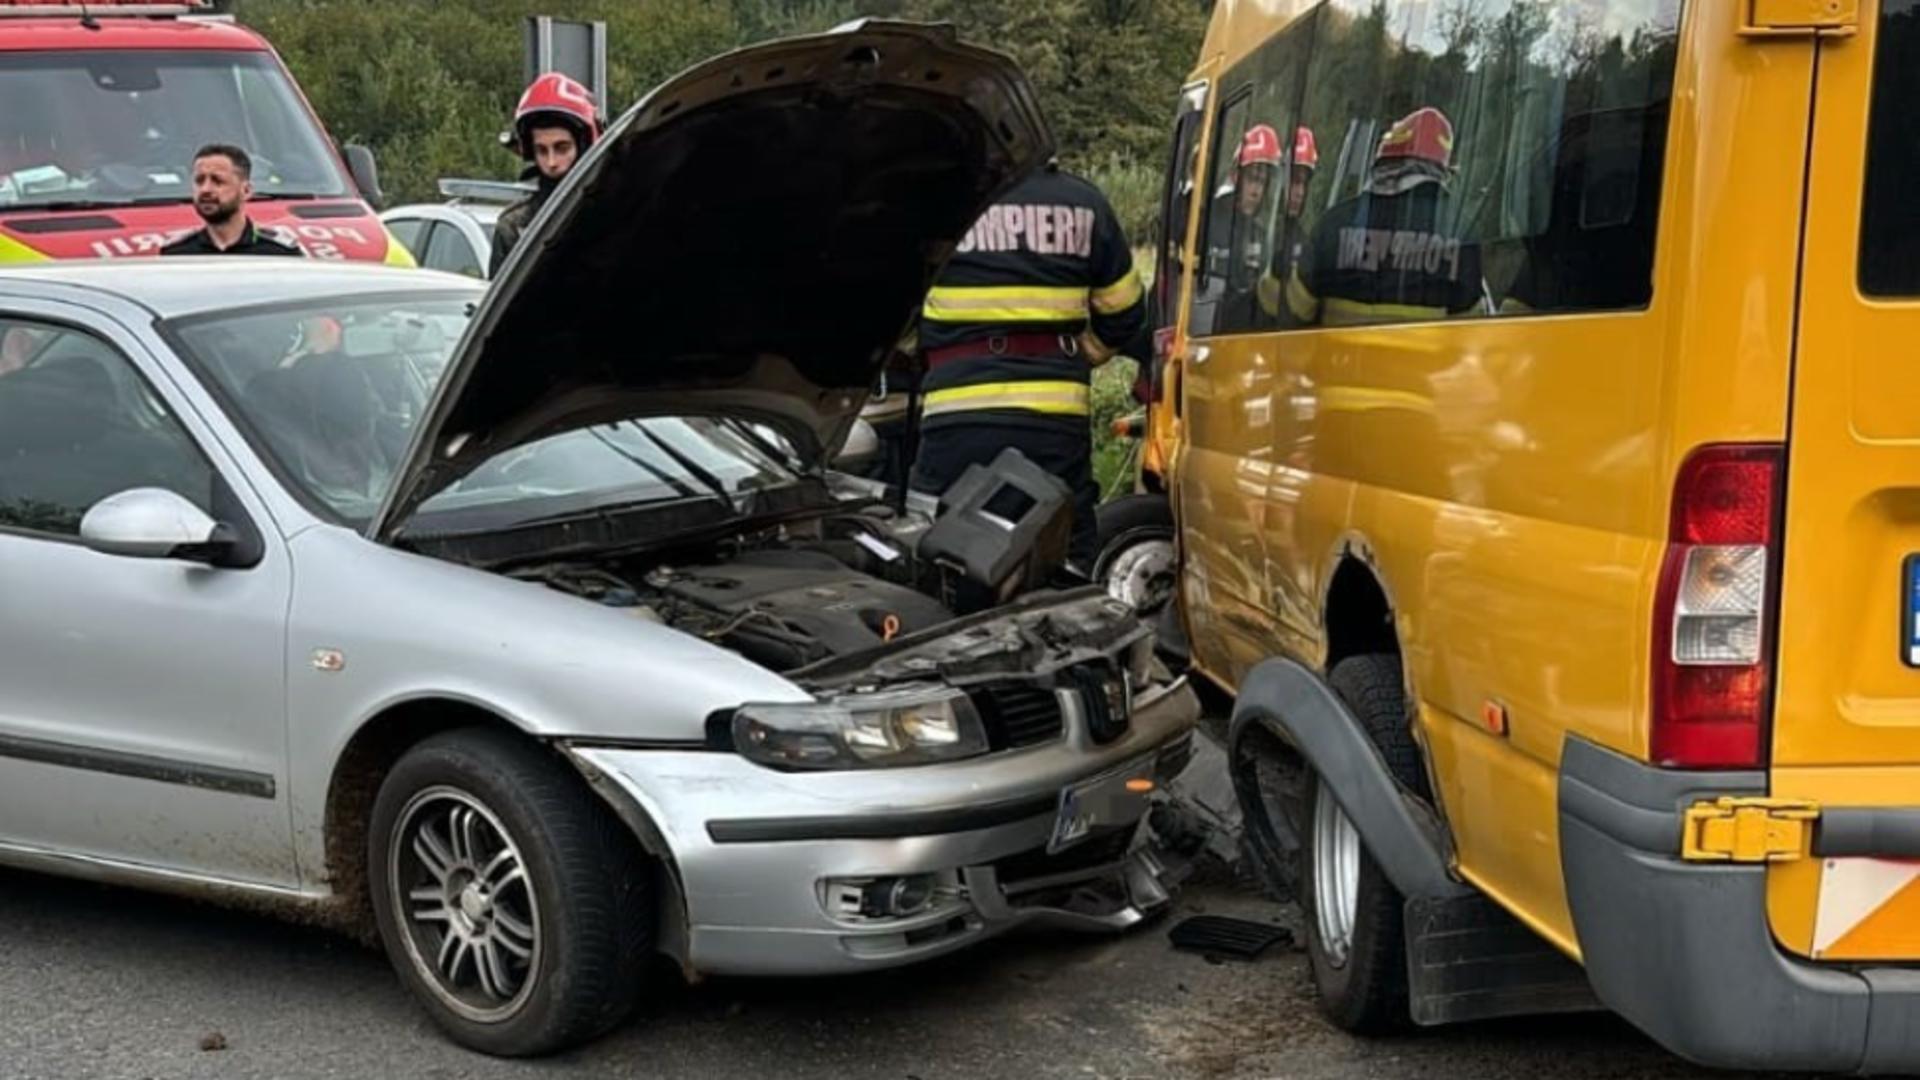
x=1683 y=950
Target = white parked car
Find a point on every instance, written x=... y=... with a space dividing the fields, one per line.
x=457 y=235
x=528 y=625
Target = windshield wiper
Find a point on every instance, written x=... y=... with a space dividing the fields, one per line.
x=288 y=196
x=680 y=488
x=713 y=483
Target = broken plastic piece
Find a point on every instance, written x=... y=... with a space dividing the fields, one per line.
x=1218 y=935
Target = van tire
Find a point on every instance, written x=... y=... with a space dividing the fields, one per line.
x=1362 y=981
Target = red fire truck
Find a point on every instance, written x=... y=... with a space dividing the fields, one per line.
x=104 y=105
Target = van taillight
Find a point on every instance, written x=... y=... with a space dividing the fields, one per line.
x=1713 y=617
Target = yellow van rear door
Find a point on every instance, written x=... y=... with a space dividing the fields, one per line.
x=1847 y=705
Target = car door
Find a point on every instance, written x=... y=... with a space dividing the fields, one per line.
x=142 y=718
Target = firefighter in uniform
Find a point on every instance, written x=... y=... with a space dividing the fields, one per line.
x=1235 y=231
x=1038 y=293
x=553 y=125
x=1290 y=241
x=1388 y=254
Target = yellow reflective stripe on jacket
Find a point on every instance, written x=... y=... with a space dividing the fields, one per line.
x=1356 y=313
x=13 y=251
x=1058 y=398
x=1119 y=296
x=1300 y=299
x=1006 y=303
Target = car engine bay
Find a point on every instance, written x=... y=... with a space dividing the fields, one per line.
x=880 y=594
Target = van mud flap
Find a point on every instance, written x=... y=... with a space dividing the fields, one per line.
x=1467 y=958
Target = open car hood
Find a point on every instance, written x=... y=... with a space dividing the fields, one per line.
x=751 y=239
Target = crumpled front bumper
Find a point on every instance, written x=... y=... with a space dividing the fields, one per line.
x=764 y=858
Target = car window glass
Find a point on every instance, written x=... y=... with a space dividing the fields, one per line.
x=407 y=230
x=77 y=424
x=121 y=125
x=447 y=249
x=330 y=394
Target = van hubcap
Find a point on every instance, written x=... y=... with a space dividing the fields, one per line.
x=467 y=910
x=1336 y=876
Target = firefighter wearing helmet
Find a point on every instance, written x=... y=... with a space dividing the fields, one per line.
x=553 y=125
x=1234 y=220
x=1390 y=253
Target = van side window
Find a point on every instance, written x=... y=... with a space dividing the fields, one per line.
x=1889 y=229
x=1501 y=157
x=1272 y=175
x=1219 y=219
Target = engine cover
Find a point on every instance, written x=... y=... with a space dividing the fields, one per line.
x=786 y=608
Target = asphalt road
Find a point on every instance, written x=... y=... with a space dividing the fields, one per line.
x=100 y=982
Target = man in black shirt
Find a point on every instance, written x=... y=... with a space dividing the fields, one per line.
x=222 y=183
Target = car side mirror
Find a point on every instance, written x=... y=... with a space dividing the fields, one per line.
x=366 y=173
x=154 y=523
x=860 y=449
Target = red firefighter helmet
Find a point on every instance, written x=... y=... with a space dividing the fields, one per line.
x=1306 y=153
x=555 y=97
x=1421 y=135
x=1259 y=146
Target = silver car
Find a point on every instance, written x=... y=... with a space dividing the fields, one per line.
x=530 y=629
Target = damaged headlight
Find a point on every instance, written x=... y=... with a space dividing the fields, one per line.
x=862 y=731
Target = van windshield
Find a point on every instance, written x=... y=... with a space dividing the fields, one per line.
x=119 y=127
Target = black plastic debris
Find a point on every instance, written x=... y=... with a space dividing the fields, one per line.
x=1219 y=936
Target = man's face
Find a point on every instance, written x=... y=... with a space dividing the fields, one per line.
x=1253 y=187
x=1297 y=190
x=219 y=190
x=554 y=151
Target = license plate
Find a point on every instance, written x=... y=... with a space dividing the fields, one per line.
x=1100 y=802
x=1910 y=622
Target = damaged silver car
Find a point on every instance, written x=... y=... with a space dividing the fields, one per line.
x=532 y=629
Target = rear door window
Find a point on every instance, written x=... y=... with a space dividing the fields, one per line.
x=408 y=231
x=448 y=249
x=1890 y=217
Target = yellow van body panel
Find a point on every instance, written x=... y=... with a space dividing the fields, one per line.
x=1506 y=479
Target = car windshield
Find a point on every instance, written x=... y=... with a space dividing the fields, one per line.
x=118 y=127
x=330 y=394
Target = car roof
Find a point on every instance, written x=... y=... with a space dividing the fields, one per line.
x=175 y=287
x=484 y=213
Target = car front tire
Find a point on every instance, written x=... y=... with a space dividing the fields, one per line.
x=512 y=903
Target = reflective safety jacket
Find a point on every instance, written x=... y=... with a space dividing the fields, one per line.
x=1037 y=293
x=1380 y=258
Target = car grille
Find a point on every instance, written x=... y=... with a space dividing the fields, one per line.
x=1017 y=715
